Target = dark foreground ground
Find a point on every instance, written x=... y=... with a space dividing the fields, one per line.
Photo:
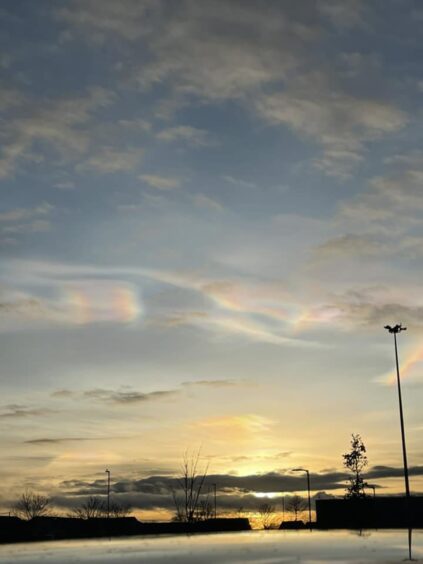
x=13 y=529
x=251 y=547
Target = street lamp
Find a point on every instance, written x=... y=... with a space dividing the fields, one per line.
x=108 y=493
x=308 y=489
x=372 y=487
x=215 y=500
x=394 y=330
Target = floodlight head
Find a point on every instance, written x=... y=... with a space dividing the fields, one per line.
x=396 y=328
x=299 y=470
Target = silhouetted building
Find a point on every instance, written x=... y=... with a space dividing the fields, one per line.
x=370 y=512
x=13 y=529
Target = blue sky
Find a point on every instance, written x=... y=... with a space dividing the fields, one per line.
x=209 y=211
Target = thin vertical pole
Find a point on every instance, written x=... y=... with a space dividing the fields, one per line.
x=215 y=500
x=108 y=494
x=309 y=498
x=404 y=450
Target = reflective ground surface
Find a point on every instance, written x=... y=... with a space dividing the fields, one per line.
x=264 y=547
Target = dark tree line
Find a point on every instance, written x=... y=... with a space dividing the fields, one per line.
x=31 y=505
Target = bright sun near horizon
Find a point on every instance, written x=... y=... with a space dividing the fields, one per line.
x=210 y=211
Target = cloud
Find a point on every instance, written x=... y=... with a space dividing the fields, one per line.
x=344 y=14
x=317 y=108
x=65 y=300
x=17 y=411
x=100 y=18
x=109 y=160
x=24 y=214
x=54 y=441
x=179 y=318
x=375 y=308
x=252 y=309
x=242 y=426
x=58 y=123
x=10 y=97
x=160 y=182
x=392 y=200
x=27 y=309
x=239 y=182
x=233 y=491
x=65 y=185
x=217 y=51
x=203 y=201
x=192 y=135
x=36 y=226
x=346 y=246
x=267 y=60
x=63 y=394
x=385 y=245
x=211 y=383
x=126 y=397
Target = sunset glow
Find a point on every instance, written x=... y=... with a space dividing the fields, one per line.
x=210 y=211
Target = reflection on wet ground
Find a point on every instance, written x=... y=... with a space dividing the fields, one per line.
x=264 y=547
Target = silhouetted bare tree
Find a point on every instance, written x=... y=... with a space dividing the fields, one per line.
x=296 y=504
x=93 y=508
x=355 y=461
x=119 y=510
x=186 y=496
x=205 y=510
x=267 y=515
x=31 y=505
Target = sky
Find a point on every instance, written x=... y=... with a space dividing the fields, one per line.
x=209 y=212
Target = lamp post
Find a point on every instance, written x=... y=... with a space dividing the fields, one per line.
x=372 y=487
x=308 y=490
x=108 y=493
x=395 y=330
x=215 y=499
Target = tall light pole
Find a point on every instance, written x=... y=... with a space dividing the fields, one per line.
x=308 y=490
x=394 y=330
x=372 y=487
x=108 y=493
x=215 y=499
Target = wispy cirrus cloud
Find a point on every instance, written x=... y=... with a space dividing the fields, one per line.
x=104 y=17
x=110 y=160
x=341 y=124
x=192 y=135
x=126 y=397
x=20 y=411
x=251 y=67
x=18 y=221
x=61 y=440
x=58 y=123
x=344 y=15
x=160 y=182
